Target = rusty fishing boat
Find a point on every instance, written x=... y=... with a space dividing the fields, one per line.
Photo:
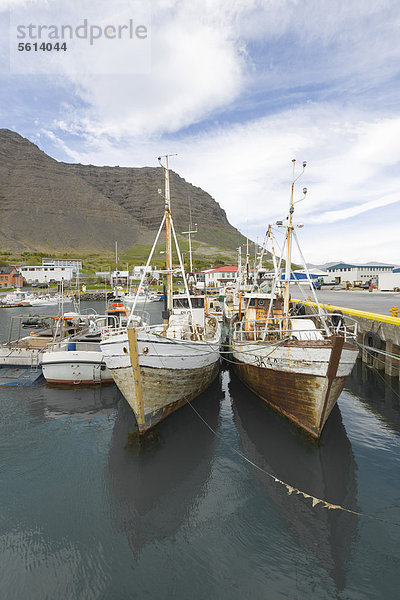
x=159 y=368
x=296 y=362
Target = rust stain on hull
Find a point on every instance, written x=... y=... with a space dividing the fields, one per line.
x=300 y=397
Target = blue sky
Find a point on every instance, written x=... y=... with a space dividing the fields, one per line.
x=237 y=89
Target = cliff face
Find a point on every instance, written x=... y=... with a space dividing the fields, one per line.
x=49 y=206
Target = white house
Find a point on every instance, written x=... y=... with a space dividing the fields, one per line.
x=138 y=272
x=119 y=277
x=47 y=274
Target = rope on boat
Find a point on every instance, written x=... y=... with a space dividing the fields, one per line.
x=210 y=348
x=290 y=488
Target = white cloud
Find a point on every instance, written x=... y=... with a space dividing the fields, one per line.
x=214 y=65
x=196 y=68
x=247 y=169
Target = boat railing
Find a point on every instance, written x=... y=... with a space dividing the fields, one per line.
x=280 y=327
x=118 y=328
x=17 y=324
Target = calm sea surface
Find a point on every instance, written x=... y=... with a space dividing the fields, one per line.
x=86 y=515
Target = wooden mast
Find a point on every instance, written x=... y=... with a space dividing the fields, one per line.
x=168 y=236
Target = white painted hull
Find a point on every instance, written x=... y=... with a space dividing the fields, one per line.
x=129 y=300
x=39 y=302
x=75 y=368
x=296 y=359
x=172 y=372
x=20 y=357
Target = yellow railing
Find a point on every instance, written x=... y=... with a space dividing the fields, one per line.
x=393 y=320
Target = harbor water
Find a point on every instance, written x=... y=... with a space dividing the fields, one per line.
x=195 y=513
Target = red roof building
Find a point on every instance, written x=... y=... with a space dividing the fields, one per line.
x=219 y=275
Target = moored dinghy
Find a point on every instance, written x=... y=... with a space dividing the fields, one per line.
x=159 y=368
x=295 y=362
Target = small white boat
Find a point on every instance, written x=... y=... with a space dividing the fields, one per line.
x=17 y=298
x=48 y=300
x=142 y=298
x=76 y=362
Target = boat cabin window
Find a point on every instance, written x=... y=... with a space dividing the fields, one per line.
x=114 y=318
x=184 y=303
x=257 y=302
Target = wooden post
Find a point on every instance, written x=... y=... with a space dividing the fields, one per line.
x=134 y=355
x=392 y=365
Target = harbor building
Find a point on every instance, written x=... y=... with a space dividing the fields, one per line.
x=358 y=274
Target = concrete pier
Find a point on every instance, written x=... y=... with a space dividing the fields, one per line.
x=374 y=330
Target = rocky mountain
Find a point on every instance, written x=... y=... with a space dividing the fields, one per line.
x=50 y=206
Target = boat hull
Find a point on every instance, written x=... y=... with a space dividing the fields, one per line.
x=171 y=374
x=164 y=390
x=302 y=381
x=28 y=353
x=75 y=368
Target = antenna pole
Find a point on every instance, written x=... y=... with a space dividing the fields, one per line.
x=289 y=240
x=189 y=233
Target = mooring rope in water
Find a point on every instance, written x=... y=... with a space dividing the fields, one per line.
x=378 y=372
x=290 y=488
x=376 y=350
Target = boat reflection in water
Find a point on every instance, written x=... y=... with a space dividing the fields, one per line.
x=378 y=393
x=157 y=485
x=326 y=471
x=78 y=401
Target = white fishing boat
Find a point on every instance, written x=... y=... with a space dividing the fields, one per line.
x=159 y=368
x=295 y=362
x=17 y=298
